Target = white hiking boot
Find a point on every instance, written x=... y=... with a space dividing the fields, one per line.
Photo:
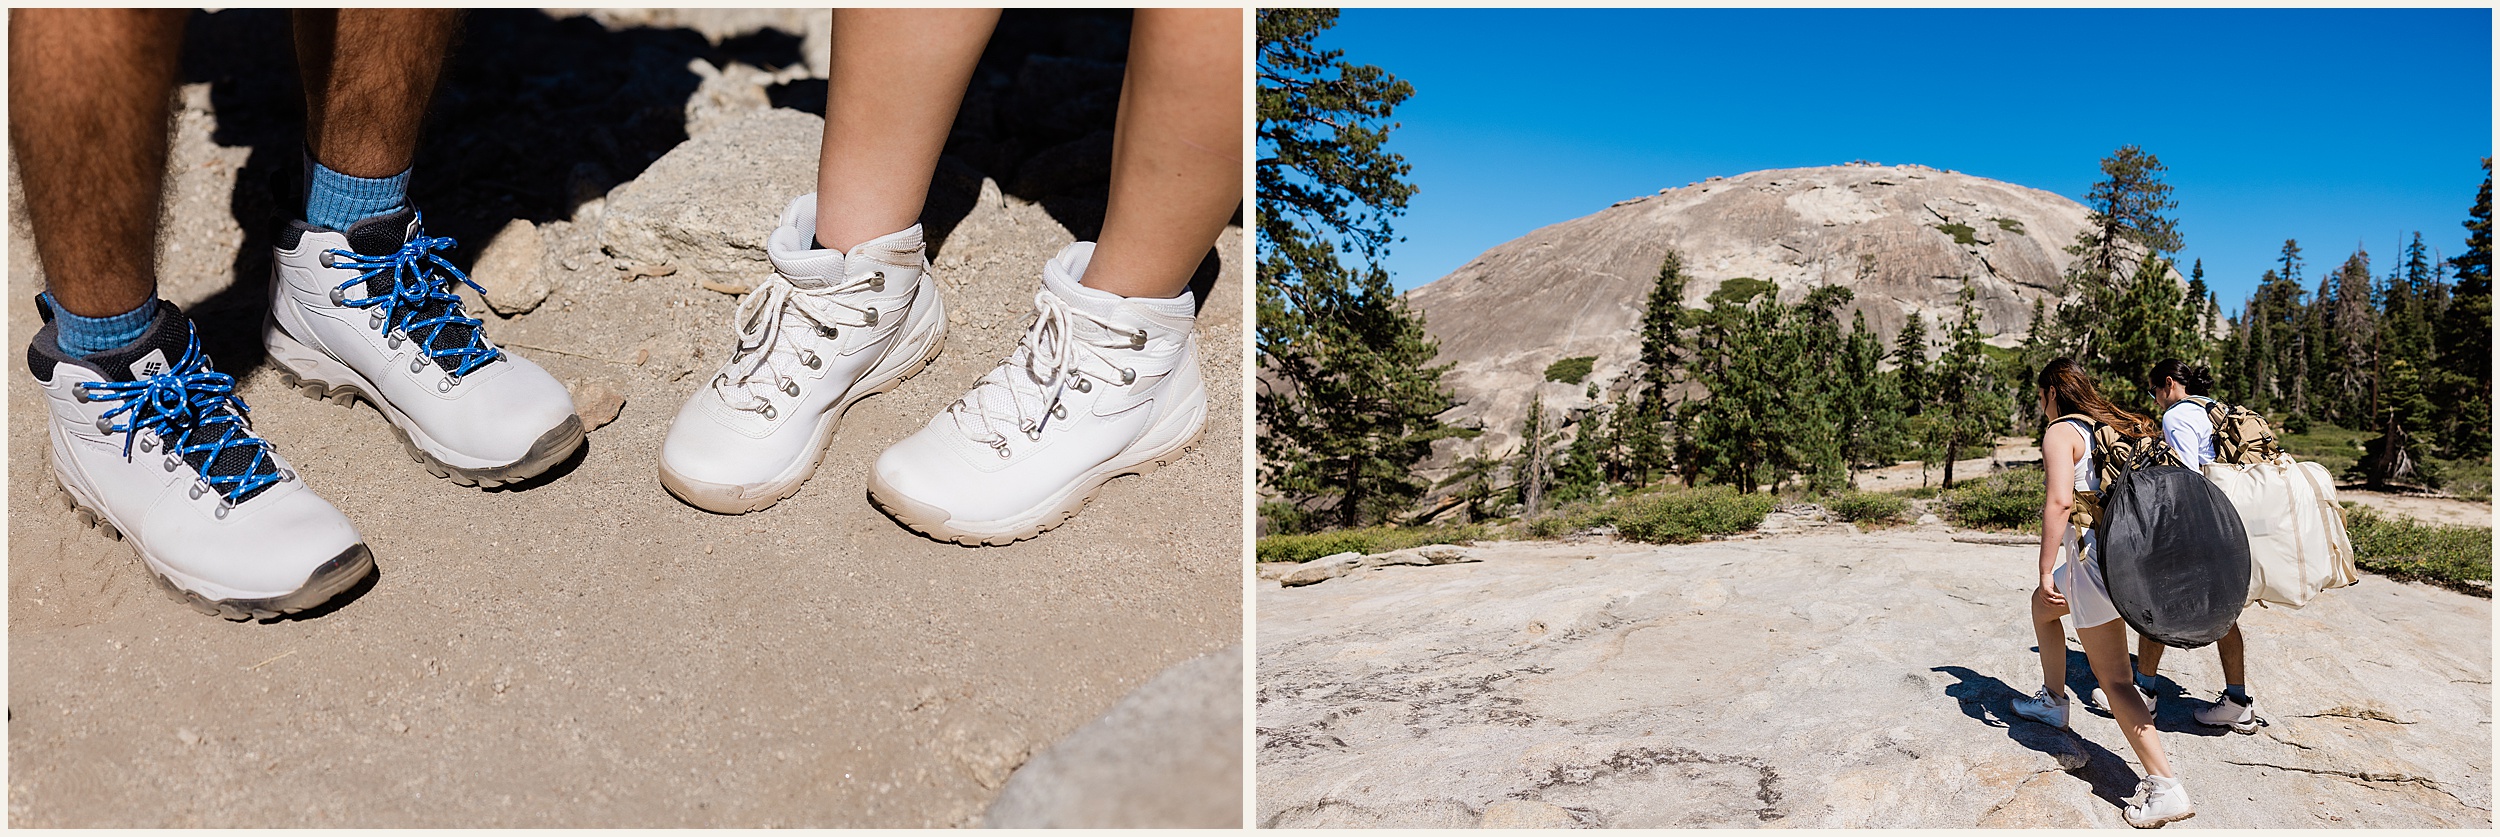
x=2040 y=706
x=153 y=444
x=2161 y=801
x=827 y=330
x=369 y=312
x=2228 y=712
x=1101 y=386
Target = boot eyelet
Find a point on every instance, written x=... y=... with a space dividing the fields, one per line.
x=103 y=425
x=79 y=394
x=375 y=321
x=876 y=282
x=394 y=340
x=170 y=462
x=770 y=413
x=828 y=332
x=811 y=360
x=327 y=260
x=1128 y=376
x=720 y=380
x=416 y=364
x=147 y=445
x=286 y=475
x=872 y=317
x=1002 y=451
x=446 y=383
x=1059 y=411
x=197 y=489
x=224 y=505
x=1137 y=340
x=790 y=388
x=338 y=296
x=1084 y=385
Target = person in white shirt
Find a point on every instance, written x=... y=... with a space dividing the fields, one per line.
x=2181 y=390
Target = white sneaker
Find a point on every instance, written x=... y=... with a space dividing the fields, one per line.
x=827 y=330
x=2227 y=712
x=153 y=442
x=2041 y=706
x=369 y=312
x=2162 y=800
x=1100 y=387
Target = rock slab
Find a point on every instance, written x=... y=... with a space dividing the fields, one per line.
x=1168 y=755
x=706 y=206
x=1829 y=680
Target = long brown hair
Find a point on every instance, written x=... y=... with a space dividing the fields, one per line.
x=2072 y=391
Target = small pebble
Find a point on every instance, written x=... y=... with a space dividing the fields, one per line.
x=188 y=736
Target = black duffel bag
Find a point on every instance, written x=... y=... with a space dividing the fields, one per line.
x=2172 y=548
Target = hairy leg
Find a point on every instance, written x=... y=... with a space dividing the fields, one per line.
x=2148 y=655
x=368 y=76
x=1176 y=153
x=2051 y=636
x=90 y=94
x=2105 y=645
x=898 y=76
x=2234 y=656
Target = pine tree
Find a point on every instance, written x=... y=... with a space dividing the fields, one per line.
x=1909 y=360
x=1582 y=473
x=1647 y=452
x=1348 y=392
x=2127 y=234
x=1869 y=408
x=2354 y=326
x=1532 y=467
x=2464 y=382
x=1971 y=405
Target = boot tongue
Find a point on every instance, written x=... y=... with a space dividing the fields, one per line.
x=156 y=350
x=382 y=235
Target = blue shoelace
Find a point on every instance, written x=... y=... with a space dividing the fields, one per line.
x=414 y=288
x=186 y=403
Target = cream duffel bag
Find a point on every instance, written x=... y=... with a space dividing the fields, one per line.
x=2296 y=539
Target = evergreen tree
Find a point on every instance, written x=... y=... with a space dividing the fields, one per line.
x=1647 y=452
x=2464 y=382
x=2128 y=233
x=1532 y=467
x=2354 y=326
x=1868 y=404
x=1582 y=473
x=1348 y=392
x=1971 y=405
x=1909 y=361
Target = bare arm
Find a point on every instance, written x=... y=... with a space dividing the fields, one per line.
x=2058 y=454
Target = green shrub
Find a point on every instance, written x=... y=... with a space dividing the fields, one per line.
x=1570 y=370
x=2010 y=225
x=2008 y=500
x=1370 y=541
x=1962 y=233
x=1570 y=518
x=2332 y=447
x=1869 y=506
x=1689 y=516
x=2455 y=557
x=1740 y=290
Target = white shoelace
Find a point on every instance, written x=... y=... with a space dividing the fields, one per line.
x=766 y=356
x=1022 y=392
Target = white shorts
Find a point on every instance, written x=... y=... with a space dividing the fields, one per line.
x=2078 y=578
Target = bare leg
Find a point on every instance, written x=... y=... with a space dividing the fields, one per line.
x=2105 y=645
x=2148 y=655
x=898 y=77
x=368 y=76
x=2051 y=635
x=2234 y=656
x=1176 y=153
x=90 y=93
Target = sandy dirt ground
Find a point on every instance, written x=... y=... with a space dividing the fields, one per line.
x=1833 y=679
x=586 y=650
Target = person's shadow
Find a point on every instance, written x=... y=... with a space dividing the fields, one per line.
x=1989 y=701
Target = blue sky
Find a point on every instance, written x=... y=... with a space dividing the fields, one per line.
x=2334 y=127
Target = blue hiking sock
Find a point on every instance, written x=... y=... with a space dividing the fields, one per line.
x=2146 y=681
x=83 y=336
x=2236 y=692
x=336 y=200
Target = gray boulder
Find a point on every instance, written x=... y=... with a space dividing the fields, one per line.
x=706 y=205
x=1168 y=755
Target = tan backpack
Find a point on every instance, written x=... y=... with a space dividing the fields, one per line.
x=2113 y=454
x=2241 y=435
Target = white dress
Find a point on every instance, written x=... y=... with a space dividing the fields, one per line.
x=2078 y=576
